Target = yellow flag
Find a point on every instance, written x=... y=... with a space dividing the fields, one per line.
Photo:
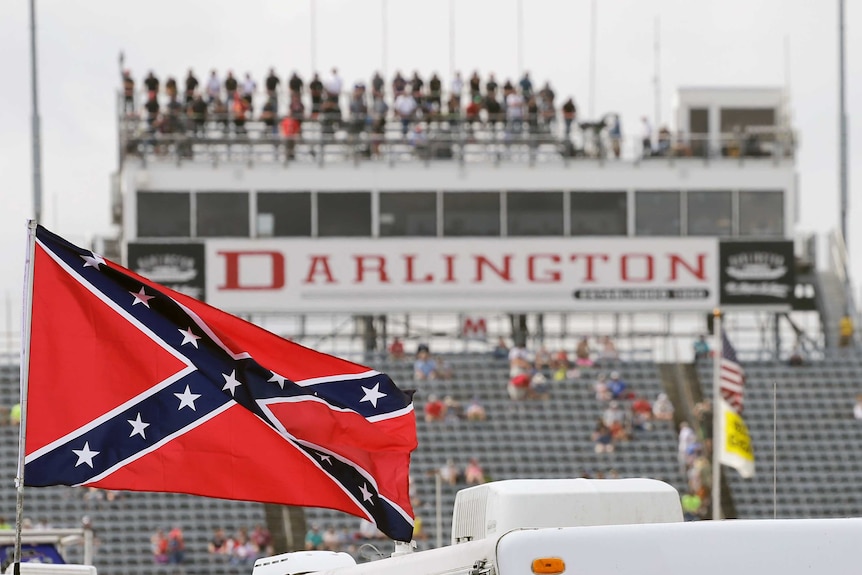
x=736 y=449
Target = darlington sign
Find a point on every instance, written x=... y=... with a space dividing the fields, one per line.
x=407 y=275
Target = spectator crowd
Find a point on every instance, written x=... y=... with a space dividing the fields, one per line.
x=420 y=107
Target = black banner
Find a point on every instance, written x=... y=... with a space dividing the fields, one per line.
x=757 y=273
x=181 y=267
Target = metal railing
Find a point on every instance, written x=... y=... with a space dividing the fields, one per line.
x=175 y=135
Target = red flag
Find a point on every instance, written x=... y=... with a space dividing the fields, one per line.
x=135 y=386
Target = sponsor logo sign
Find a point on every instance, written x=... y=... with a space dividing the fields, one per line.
x=179 y=266
x=757 y=273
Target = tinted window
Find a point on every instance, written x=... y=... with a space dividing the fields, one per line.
x=599 y=214
x=164 y=214
x=408 y=214
x=534 y=213
x=709 y=213
x=222 y=214
x=344 y=214
x=761 y=214
x=283 y=214
x=657 y=214
x=471 y=213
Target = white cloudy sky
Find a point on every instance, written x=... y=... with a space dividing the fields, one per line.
x=703 y=42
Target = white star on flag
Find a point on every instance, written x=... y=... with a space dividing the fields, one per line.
x=372 y=394
x=138 y=426
x=230 y=382
x=279 y=379
x=141 y=297
x=93 y=260
x=366 y=494
x=189 y=337
x=187 y=399
x=325 y=458
x=85 y=455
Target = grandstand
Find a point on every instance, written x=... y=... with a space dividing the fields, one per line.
x=819 y=455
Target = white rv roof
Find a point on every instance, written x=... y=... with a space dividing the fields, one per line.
x=580 y=486
x=739 y=547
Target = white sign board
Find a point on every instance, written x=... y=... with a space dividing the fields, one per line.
x=446 y=274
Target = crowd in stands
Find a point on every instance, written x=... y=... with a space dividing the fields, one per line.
x=695 y=461
x=169 y=548
x=517 y=106
x=243 y=548
x=415 y=104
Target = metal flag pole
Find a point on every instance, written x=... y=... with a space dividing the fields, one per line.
x=313 y=36
x=520 y=36
x=717 y=437
x=438 y=504
x=592 y=60
x=25 y=377
x=384 y=36
x=36 y=122
x=774 y=449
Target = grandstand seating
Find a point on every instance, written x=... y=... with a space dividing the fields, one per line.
x=819 y=455
x=819 y=444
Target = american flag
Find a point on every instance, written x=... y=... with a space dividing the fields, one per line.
x=134 y=386
x=732 y=375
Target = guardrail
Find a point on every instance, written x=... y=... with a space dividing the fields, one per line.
x=176 y=133
x=440 y=139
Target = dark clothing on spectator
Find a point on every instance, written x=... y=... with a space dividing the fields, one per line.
x=377 y=84
x=269 y=115
x=494 y=109
x=295 y=84
x=416 y=85
x=569 y=115
x=272 y=82
x=151 y=83
x=191 y=85
x=435 y=87
x=475 y=84
x=230 y=85
x=199 y=115
x=152 y=108
x=399 y=84
x=316 y=89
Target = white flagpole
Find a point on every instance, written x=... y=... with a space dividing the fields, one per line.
x=26 y=320
x=717 y=440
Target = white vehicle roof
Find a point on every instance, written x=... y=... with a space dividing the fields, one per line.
x=491 y=509
x=780 y=547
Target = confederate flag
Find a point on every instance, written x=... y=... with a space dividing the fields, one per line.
x=135 y=386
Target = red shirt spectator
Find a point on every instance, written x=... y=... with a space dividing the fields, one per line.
x=396 y=349
x=641 y=406
x=435 y=410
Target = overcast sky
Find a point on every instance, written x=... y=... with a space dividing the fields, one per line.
x=703 y=42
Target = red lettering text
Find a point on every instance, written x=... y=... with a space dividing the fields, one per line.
x=321 y=262
x=450 y=268
x=677 y=261
x=625 y=273
x=482 y=262
x=410 y=259
x=231 y=272
x=549 y=276
x=589 y=276
x=378 y=264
